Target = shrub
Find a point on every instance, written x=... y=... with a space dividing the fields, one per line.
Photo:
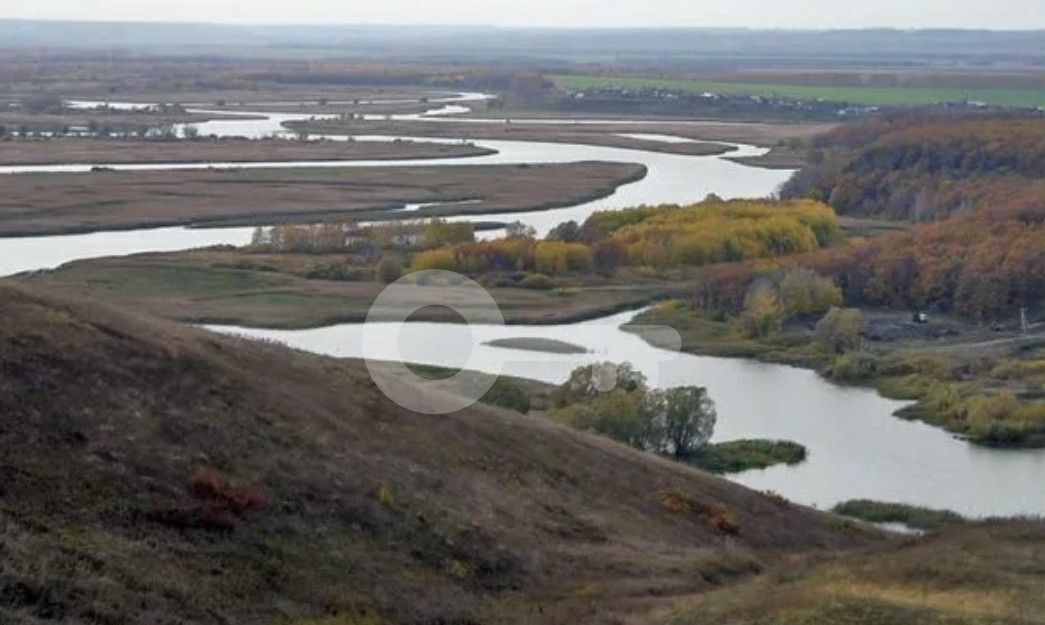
x=854 y=367
x=763 y=313
x=619 y=415
x=555 y=257
x=722 y=520
x=911 y=516
x=508 y=394
x=743 y=455
x=588 y=381
x=338 y=271
x=805 y=292
x=438 y=232
x=841 y=330
x=389 y=270
x=538 y=282
x=435 y=259
x=216 y=506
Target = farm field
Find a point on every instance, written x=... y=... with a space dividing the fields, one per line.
x=872 y=96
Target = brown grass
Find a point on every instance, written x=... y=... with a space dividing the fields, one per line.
x=273 y=290
x=985 y=574
x=113 y=151
x=490 y=517
x=53 y=203
x=767 y=134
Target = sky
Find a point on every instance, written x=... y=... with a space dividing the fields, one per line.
x=993 y=14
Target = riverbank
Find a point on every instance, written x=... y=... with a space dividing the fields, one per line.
x=55 y=203
x=128 y=151
x=298 y=291
x=977 y=384
x=694 y=138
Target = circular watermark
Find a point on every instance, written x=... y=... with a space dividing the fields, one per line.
x=393 y=308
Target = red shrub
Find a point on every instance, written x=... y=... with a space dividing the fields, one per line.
x=217 y=503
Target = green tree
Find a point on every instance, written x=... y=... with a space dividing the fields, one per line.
x=619 y=414
x=682 y=420
x=589 y=381
x=518 y=229
x=567 y=231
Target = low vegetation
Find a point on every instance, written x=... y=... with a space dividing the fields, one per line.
x=667 y=236
x=257 y=288
x=989 y=394
x=980 y=574
x=550 y=346
x=914 y=517
x=121 y=200
x=154 y=472
x=744 y=455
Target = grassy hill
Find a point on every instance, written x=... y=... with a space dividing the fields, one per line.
x=151 y=472
x=991 y=574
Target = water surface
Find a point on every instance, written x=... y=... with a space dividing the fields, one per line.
x=856 y=448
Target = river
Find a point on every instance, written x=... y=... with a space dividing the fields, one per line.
x=671 y=178
x=857 y=449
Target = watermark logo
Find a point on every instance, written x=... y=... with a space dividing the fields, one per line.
x=401 y=353
x=392 y=310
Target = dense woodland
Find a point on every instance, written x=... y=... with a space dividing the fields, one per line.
x=983 y=265
x=667 y=236
x=979 y=179
x=922 y=166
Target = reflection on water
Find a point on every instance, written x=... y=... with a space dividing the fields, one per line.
x=857 y=449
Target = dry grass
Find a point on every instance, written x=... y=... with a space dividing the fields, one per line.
x=487 y=516
x=55 y=203
x=986 y=574
x=766 y=134
x=270 y=290
x=113 y=151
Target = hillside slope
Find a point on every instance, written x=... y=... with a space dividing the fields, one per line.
x=152 y=473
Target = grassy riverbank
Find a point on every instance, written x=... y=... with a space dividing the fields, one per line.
x=915 y=517
x=294 y=291
x=745 y=455
x=41 y=204
x=984 y=574
x=548 y=346
x=976 y=383
x=122 y=151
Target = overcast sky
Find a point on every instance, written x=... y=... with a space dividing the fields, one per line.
x=1000 y=14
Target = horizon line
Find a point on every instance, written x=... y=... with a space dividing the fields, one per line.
x=468 y=25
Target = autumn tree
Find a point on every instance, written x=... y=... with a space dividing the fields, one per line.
x=763 y=313
x=805 y=292
x=841 y=330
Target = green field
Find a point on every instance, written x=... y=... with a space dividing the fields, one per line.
x=878 y=96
